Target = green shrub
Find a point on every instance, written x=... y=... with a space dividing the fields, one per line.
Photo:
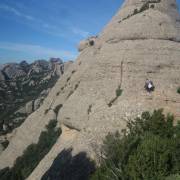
x=70 y=93
x=89 y=109
x=173 y=177
x=119 y=91
x=46 y=111
x=57 y=108
x=68 y=79
x=152 y=6
x=51 y=125
x=148 y=149
x=73 y=71
x=135 y=11
x=25 y=164
x=178 y=90
x=5 y=144
x=58 y=93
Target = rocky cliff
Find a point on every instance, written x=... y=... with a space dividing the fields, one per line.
x=104 y=88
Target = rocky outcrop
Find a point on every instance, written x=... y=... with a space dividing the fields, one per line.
x=104 y=88
x=87 y=43
x=157 y=19
x=13 y=71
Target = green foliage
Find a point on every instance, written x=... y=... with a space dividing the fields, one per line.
x=51 y=125
x=58 y=93
x=73 y=71
x=144 y=7
x=70 y=93
x=148 y=150
x=178 y=90
x=173 y=177
x=152 y=6
x=5 y=144
x=34 y=153
x=57 y=108
x=119 y=91
x=135 y=11
x=46 y=111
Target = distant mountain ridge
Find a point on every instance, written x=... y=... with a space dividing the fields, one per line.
x=12 y=71
x=23 y=87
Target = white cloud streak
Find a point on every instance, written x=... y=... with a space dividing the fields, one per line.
x=80 y=32
x=16 y=12
x=37 y=50
x=45 y=26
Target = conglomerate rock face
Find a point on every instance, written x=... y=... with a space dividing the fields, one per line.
x=141 y=41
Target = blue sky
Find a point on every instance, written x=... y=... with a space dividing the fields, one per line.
x=39 y=29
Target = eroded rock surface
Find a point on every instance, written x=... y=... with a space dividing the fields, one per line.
x=129 y=50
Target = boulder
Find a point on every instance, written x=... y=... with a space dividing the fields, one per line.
x=13 y=71
x=87 y=43
x=30 y=107
x=37 y=103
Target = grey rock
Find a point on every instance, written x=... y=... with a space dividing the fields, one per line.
x=5 y=127
x=30 y=107
x=13 y=70
x=37 y=103
x=2 y=78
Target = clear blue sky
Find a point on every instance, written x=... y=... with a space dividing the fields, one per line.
x=39 y=29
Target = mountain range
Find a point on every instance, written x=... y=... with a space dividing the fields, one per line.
x=23 y=88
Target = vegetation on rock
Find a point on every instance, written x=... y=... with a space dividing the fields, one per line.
x=148 y=149
x=147 y=5
x=57 y=108
x=118 y=94
x=173 y=177
x=34 y=153
x=178 y=90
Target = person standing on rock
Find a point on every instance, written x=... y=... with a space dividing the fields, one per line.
x=149 y=86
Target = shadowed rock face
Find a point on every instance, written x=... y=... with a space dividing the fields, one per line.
x=67 y=167
x=104 y=88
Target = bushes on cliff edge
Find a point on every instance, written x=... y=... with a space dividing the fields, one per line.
x=34 y=153
x=148 y=150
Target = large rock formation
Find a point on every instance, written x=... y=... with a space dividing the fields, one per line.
x=141 y=41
